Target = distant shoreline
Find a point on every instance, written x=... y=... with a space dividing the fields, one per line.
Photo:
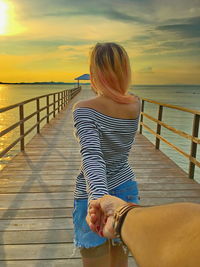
x=74 y=83
x=48 y=83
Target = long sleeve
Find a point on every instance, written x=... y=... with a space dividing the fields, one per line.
x=94 y=166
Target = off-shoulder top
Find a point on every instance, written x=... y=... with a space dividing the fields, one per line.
x=105 y=143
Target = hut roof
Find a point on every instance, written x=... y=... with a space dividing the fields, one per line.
x=83 y=77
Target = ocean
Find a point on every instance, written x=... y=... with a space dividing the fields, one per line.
x=181 y=95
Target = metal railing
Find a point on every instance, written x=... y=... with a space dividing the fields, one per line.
x=193 y=137
x=59 y=101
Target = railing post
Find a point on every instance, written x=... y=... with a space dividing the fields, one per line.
x=70 y=94
x=54 y=105
x=38 y=114
x=47 y=108
x=62 y=103
x=64 y=92
x=193 y=151
x=21 y=117
x=58 y=102
x=160 y=112
x=141 y=116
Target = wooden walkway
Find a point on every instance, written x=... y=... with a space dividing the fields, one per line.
x=36 y=193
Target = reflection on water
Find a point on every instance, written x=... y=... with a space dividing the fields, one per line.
x=12 y=94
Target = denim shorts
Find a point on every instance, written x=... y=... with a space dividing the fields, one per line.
x=83 y=236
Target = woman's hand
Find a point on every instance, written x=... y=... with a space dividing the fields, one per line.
x=100 y=215
x=94 y=214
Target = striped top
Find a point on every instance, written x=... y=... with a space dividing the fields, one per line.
x=105 y=143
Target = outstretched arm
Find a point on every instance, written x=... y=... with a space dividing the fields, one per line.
x=167 y=235
x=94 y=166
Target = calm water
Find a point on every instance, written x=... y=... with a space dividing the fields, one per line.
x=12 y=94
x=186 y=96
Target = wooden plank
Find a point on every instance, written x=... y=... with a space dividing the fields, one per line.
x=38 y=251
x=26 y=204
x=154 y=199
x=35 y=224
x=52 y=263
x=37 y=213
x=64 y=182
x=36 y=237
x=164 y=200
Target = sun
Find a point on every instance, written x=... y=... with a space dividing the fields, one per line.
x=3 y=16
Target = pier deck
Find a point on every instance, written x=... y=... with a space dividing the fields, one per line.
x=36 y=193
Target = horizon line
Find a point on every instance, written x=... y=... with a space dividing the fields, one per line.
x=52 y=82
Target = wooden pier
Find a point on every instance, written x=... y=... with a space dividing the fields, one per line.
x=36 y=193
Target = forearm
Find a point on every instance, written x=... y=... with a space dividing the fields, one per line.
x=131 y=231
x=159 y=234
x=94 y=170
x=141 y=235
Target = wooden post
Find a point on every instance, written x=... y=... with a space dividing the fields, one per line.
x=67 y=96
x=54 y=105
x=193 y=151
x=62 y=95
x=160 y=111
x=47 y=108
x=141 y=116
x=58 y=102
x=21 y=117
x=70 y=94
x=38 y=114
x=65 y=102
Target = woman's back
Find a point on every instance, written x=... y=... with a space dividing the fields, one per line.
x=108 y=137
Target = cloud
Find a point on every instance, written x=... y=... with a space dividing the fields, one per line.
x=113 y=10
x=146 y=70
x=189 y=28
x=108 y=14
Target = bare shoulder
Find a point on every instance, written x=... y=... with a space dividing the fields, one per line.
x=136 y=98
x=89 y=103
x=134 y=107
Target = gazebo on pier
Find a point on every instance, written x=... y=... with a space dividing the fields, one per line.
x=83 y=77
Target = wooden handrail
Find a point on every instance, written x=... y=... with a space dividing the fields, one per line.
x=60 y=100
x=172 y=129
x=193 y=111
x=193 y=137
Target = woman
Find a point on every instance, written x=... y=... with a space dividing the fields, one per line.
x=105 y=127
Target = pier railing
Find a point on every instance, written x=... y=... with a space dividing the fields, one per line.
x=55 y=101
x=193 y=137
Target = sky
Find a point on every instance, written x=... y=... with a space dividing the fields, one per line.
x=50 y=40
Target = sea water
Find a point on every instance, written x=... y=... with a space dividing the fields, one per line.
x=182 y=95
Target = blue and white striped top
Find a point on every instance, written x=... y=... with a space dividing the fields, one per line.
x=105 y=143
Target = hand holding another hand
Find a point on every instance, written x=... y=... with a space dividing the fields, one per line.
x=100 y=216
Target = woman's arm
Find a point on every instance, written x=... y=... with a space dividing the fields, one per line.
x=94 y=166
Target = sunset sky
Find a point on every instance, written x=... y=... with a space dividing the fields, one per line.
x=50 y=40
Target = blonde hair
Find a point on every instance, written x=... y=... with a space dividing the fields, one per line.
x=110 y=71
